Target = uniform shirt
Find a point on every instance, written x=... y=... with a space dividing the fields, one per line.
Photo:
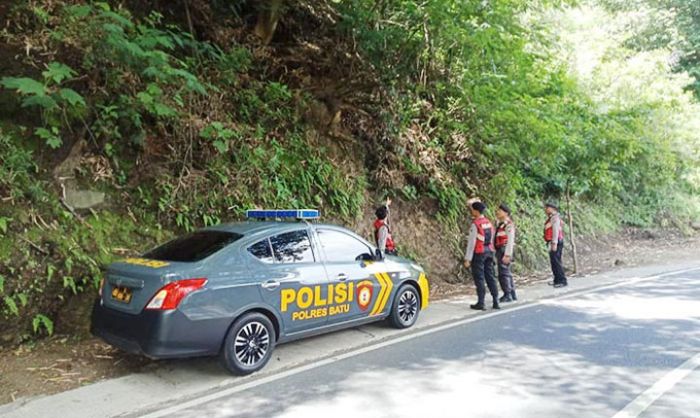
x=471 y=242
x=556 y=225
x=383 y=233
x=510 y=232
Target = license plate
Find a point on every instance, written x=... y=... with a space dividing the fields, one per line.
x=121 y=294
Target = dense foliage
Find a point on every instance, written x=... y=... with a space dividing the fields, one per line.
x=673 y=24
x=184 y=118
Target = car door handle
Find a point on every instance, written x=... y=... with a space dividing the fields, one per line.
x=271 y=285
x=342 y=277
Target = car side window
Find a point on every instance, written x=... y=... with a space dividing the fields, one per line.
x=292 y=247
x=341 y=247
x=262 y=251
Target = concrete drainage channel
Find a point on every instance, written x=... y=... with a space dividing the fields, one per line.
x=193 y=382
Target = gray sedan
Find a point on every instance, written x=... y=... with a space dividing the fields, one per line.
x=237 y=290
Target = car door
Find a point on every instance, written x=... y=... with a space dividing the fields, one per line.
x=293 y=280
x=358 y=284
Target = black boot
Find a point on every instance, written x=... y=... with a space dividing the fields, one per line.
x=506 y=298
x=496 y=305
x=512 y=295
x=479 y=306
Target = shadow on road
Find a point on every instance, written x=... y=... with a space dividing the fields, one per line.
x=583 y=356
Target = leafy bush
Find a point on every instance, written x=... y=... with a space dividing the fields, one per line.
x=57 y=104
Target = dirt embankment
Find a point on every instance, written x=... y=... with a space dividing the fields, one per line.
x=60 y=363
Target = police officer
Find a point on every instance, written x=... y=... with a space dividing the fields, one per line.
x=382 y=231
x=479 y=256
x=505 y=241
x=554 y=237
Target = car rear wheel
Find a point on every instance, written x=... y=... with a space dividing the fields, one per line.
x=406 y=307
x=249 y=344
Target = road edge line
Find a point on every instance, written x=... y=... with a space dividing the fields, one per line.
x=647 y=398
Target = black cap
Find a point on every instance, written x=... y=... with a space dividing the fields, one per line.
x=479 y=206
x=551 y=205
x=504 y=208
x=381 y=212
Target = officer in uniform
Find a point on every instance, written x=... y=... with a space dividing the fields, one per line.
x=554 y=237
x=382 y=231
x=505 y=241
x=479 y=256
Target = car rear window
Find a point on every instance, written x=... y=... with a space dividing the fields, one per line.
x=193 y=247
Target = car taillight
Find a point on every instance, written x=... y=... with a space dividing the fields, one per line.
x=170 y=295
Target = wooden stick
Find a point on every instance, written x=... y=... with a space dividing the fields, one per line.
x=36 y=247
x=71 y=210
x=571 y=229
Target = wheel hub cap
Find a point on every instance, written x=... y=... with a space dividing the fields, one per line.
x=408 y=306
x=251 y=343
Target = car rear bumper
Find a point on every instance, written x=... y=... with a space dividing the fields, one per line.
x=158 y=334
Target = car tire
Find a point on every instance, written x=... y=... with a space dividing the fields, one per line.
x=406 y=307
x=248 y=344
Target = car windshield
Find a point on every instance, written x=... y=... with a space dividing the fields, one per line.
x=193 y=247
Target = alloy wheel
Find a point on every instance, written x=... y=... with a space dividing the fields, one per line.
x=408 y=306
x=251 y=343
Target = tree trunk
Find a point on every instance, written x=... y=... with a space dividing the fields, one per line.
x=571 y=229
x=267 y=20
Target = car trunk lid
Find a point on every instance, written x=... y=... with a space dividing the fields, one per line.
x=130 y=284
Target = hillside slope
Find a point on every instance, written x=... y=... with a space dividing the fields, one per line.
x=125 y=123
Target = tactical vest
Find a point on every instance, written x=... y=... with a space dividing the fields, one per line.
x=501 y=234
x=484 y=232
x=378 y=224
x=549 y=230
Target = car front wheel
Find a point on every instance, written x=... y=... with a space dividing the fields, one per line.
x=249 y=344
x=406 y=306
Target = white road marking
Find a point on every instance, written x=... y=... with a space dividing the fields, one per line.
x=393 y=340
x=658 y=389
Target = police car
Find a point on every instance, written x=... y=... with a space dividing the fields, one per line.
x=238 y=290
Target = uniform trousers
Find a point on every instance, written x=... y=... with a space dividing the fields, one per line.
x=505 y=277
x=482 y=271
x=557 y=266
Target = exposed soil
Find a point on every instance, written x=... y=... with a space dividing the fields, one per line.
x=61 y=362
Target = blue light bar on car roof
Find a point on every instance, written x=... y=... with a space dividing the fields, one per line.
x=282 y=213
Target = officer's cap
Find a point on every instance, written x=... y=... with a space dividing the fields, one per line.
x=504 y=208
x=479 y=206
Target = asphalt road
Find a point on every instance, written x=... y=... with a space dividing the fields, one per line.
x=624 y=351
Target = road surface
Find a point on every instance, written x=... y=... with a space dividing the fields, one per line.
x=625 y=350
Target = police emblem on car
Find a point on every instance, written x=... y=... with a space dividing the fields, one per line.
x=237 y=290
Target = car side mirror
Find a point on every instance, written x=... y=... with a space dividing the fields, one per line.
x=364 y=257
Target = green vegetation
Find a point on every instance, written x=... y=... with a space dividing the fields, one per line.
x=183 y=118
